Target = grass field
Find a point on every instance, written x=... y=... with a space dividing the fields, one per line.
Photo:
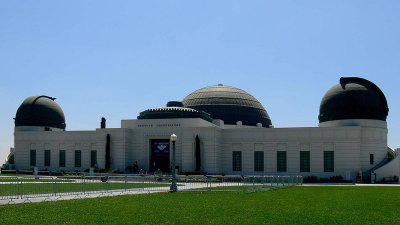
x=7 y=180
x=292 y=205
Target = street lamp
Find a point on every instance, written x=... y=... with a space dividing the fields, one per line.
x=173 y=187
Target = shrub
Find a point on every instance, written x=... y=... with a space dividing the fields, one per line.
x=192 y=173
x=129 y=169
x=310 y=179
x=100 y=170
x=44 y=172
x=336 y=178
x=323 y=179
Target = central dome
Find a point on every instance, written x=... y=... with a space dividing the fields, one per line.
x=229 y=104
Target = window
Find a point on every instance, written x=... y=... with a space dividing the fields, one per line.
x=258 y=161
x=304 y=161
x=371 y=159
x=62 y=158
x=78 y=155
x=93 y=158
x=281 y=161
x=33 y=157
x=46 y=157
x=329 y=161
x=237 y=161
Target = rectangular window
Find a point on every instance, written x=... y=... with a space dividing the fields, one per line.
x=304 y=161
x=33 y=157
x=258 y=161
x=281 y=161
x=46 y=157
x=61 y=161
x=93 y=158
x=329 y=161
x=237 y=161
x=371 y=159
x=78 y=155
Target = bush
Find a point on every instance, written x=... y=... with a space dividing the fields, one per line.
x=58 y=173
x=130 y=169
x=100 y=170
x=336 y=179
x=192 y=173
x=324 y=180
x=43 y=172
x=310 y=179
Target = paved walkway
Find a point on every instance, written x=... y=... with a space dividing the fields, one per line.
x=95 y=194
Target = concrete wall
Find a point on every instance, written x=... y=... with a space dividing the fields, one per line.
x=352 y=146
x=69 y=141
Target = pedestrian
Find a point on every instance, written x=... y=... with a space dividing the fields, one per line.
x=135 y=167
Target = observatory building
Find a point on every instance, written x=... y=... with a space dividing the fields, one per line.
x=221 y=130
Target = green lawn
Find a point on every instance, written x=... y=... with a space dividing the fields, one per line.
x=222 y=188
x=14 y=175
x=292 y=205
x=48 y=188
x=4 y=180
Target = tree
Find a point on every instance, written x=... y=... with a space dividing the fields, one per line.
x=108 y=153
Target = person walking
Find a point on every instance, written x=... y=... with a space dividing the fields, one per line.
x=135 y=167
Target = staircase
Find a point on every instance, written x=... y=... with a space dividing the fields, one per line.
x=367 y=174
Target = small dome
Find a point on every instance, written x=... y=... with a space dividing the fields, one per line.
x=353 y=98
x=40 y=111
x=174 y=104
x=170 y=112
x=229 y=104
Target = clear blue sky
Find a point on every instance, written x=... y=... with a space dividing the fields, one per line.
x=118 y=58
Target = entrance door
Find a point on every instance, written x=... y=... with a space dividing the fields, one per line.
x=160 y=155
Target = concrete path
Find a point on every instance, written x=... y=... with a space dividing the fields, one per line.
x=95 y=194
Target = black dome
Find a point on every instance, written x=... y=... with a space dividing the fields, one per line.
x=353 y=98
x=174 y=109
x=229 y=104
x=40 y=111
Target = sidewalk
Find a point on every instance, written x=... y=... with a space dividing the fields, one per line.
x=104 y=193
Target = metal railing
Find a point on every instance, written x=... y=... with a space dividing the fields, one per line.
x=257 y=183
x=28 y=187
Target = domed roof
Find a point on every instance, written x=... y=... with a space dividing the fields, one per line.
x=229 y=104
x=353 y=98
x=40 y=111
x=174 y=109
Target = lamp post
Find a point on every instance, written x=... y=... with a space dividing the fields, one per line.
x=173 y=187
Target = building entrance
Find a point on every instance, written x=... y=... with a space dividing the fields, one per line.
x=160 y=155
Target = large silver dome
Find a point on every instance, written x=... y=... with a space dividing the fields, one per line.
x=229 y=104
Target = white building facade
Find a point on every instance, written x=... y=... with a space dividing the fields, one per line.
x=221 y=130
